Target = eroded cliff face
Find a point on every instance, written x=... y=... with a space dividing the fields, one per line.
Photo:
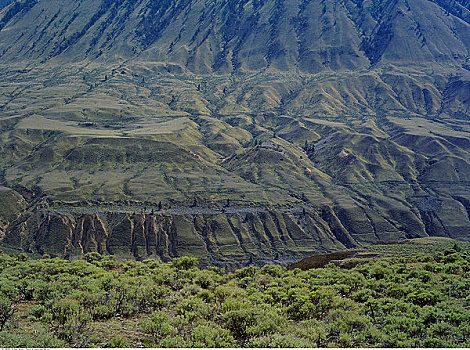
x=220 y=239
x=225 y=239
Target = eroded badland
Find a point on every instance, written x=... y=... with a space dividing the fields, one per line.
x=238 y=131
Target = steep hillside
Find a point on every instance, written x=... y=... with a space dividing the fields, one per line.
x=241 y=35
x=357 y=111
x=4 y=3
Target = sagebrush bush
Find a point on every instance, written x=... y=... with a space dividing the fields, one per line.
x=38 y=340
x=184 y=263
x=37 y=311
x=7 y=311
x=279 y=341
x=158 y=326
x=211 y=335
x=421 y=300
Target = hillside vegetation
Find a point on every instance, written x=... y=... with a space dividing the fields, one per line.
x=412 y=295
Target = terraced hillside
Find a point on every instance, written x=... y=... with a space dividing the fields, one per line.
x=254 y=130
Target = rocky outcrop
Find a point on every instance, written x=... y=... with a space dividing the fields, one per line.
x=224 y=239
x=220 y=239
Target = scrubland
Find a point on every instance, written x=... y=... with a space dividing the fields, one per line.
x=411 y=295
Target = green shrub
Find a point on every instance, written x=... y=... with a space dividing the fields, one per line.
x=423 y=257
x=272 y=270
x=441 y=330
x=207 y=296
x=253 y=322
x=82 y=268
x=211 y=335
x=453 y=268
x=90 y=299
x=237 y=321
x=179 y=283
x=300 y=305
x=108 y=262
x=176 y=341
x=22 y=257
x=184 y=263
x=69 y=322
x=74 y=331
x=323 y=299
x=397 y=291
x=424 y=297
x=8 y=288
x=7 y=311
x=117 y=342
x=343 y=289
x=346 y=340
x=422 y=275
x=204 y=279
x=379 y=272
x=158 y=326
x=279 y=341
x=407 y=325
x=452 y=257
x=353 y=279
x=301 y=310
x=384 y=303
x=355 y=321
x=399 y=340
x=446 y=312
x=313 y=331
x=93 y=257
x=433 y=267
x=41 y=290
x=266 y=322
x=433 y=343
x=226 y=291
x=194 y=308
x=107 y=282
x=103 y=312
x=23 y=340
x=65 y=309
x=37 y=311
x=363 y=295
x=249 y=271
x=349 y=328
x=275 y=294
x=233 y=304
x=144 y=297
x=190 y=290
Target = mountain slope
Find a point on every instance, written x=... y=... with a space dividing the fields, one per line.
x=354 y=112
x=310 y=36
